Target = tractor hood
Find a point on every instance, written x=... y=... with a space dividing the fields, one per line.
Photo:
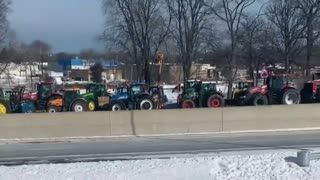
x=258 y=89
x=120 y=96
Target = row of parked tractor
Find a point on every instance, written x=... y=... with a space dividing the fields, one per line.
x=49 y=97
x=276 y=89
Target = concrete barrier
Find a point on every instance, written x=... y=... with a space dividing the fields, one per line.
x=177 y=121
x=127 y=123
x=271 y=117
x=54 y=125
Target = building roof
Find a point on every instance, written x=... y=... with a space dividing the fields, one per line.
x=109 y=63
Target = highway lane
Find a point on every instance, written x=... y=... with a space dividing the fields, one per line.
x=148 y=147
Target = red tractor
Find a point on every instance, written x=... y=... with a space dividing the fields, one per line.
x=277 y=89
x=311 y=90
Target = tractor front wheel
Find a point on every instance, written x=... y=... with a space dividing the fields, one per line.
x=3 y=108
x=290 y=97
x=54 y=109
x=259 y=100
x=91 y=106
x=215 y=101
x=79 y=106
x=188 y=104
x=117 y=106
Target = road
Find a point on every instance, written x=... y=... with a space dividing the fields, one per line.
x=148 y=147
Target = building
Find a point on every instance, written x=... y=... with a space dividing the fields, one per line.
x=21 y=74
x=79 y=69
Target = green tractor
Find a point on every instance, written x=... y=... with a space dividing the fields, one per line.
x=96 y=98
x=12 y=102
x=200 y=94
x=70 y=100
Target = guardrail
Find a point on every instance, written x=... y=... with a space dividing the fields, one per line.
x=158 y=122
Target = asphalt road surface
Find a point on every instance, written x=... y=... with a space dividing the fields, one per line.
x=150 y=147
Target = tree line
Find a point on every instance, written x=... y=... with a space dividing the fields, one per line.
x=237 y=32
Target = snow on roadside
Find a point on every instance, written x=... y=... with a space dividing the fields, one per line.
x=240 y=167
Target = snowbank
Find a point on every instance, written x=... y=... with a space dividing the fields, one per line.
x=241 y=167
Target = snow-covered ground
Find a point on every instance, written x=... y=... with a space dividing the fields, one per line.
x=272 y=166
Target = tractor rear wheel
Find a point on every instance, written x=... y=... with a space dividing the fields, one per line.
x=290 y=97
x=188 y=104
x=215 y=101
x=259 y=100
x=3 y=108
x=79 y=106
x=146 y=104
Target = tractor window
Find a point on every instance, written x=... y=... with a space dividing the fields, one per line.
x=278 y=83
x=210 y=87
x=245 y=85
x=45 y=90
x=121 y=90
x=189 y=85
x=137 y=89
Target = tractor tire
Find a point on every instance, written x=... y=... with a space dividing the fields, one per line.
x=117 y=106
x=53 y=109
x=188 y=104
x=215 y=101
x=146 y=104
x=260 y=100
x=290 y=97
x=79 y=106
x=3 y=108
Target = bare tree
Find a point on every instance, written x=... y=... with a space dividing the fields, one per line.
x=4 y=29
x=310 y=12
x=231 y=12
x=189 y=18
x=286 y=16
x=41 y=52
x=139 y=27
x=251 y=40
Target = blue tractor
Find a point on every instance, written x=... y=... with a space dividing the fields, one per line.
x=132 y=97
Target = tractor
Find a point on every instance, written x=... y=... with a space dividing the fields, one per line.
x=134 y=96
x=277 y=89
x=241 y=87
x=158 y=96
x=15 y=103
x=200 y=94
x=70 y=100
x=96 y=98
x=311 y=90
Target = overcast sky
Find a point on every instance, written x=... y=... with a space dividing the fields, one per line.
x=68 y=25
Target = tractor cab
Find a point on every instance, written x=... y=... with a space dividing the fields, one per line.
x=279 y=82
x=245 y=84
x=45 y=90
x=241 y=88
x=158 y=96
x=1 y=93
x=97 y=89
